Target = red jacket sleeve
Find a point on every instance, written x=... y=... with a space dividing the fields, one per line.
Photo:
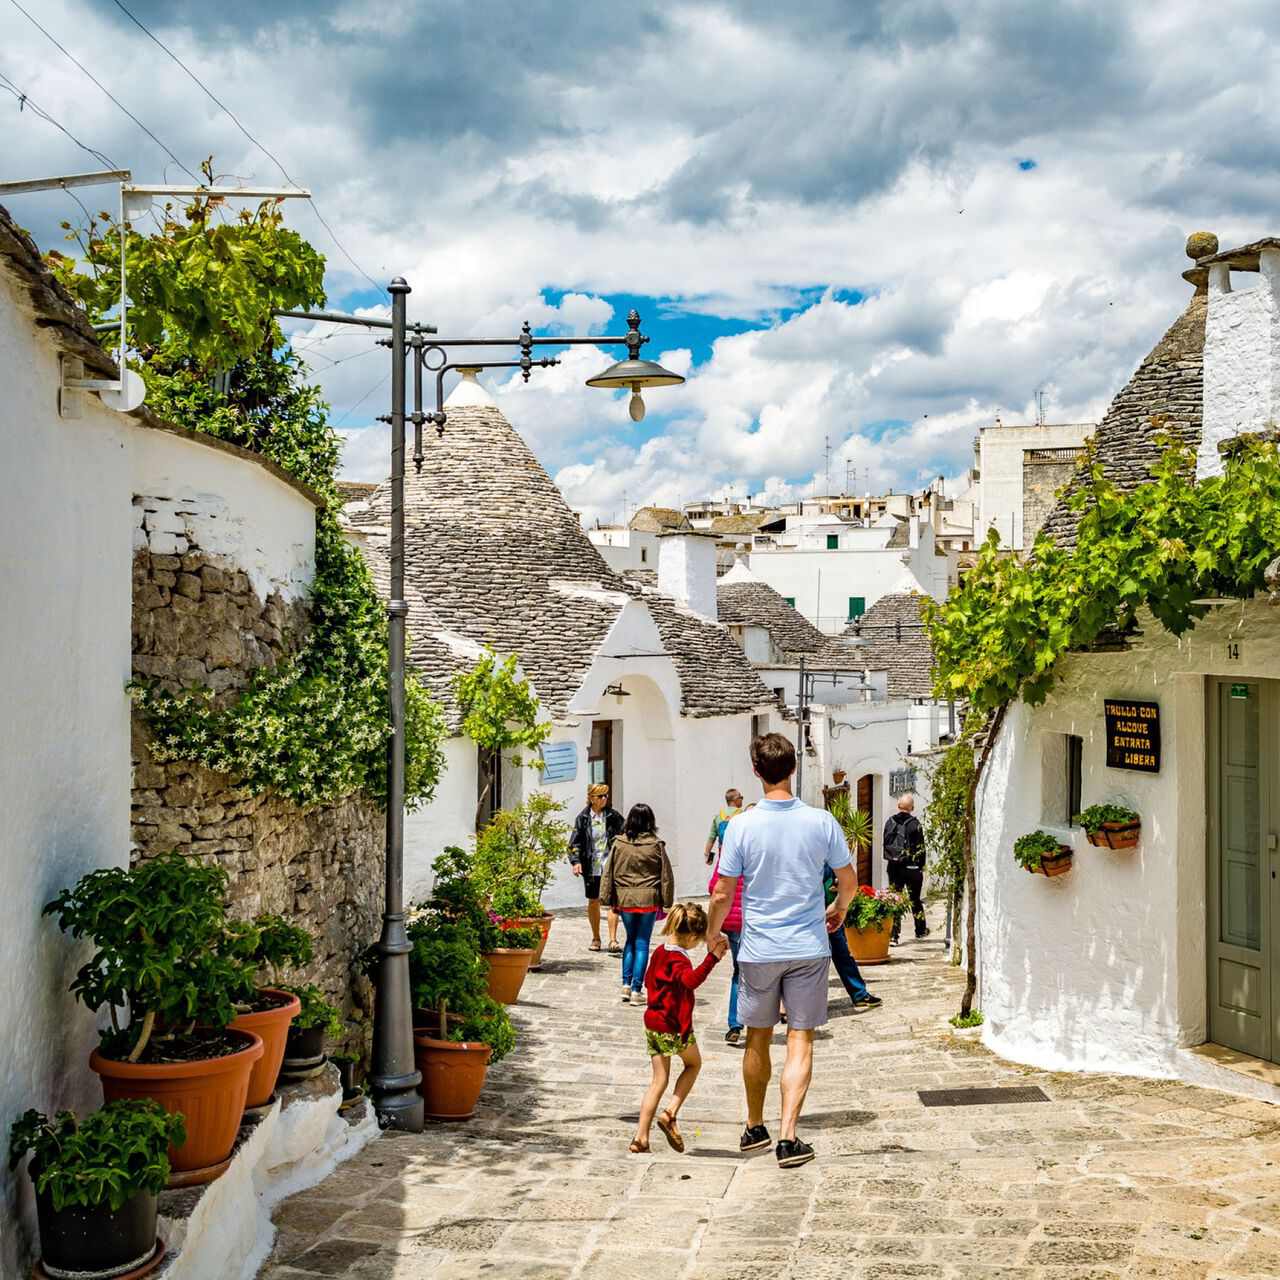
x=687 y=976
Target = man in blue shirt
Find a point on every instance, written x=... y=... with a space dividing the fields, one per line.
x=780 y=849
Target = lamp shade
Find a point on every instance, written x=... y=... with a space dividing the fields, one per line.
x=635 y=374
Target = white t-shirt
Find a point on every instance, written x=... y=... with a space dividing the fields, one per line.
x=780 y=848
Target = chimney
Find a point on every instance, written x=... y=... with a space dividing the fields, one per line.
x=687 y=570
x=913 y=531
x=1241 y=343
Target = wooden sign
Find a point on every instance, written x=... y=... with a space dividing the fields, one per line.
x=1133 y=735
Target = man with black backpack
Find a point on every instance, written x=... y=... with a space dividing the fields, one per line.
x=904 y=858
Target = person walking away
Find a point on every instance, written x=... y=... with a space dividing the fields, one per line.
x=732 y=929
x=732 y=807
x=779 y=850
x=846 y=966
x=671 y=980
x=904 y=858
x=637 y=881
x=594 y=831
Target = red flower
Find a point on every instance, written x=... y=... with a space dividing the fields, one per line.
x=867 y=890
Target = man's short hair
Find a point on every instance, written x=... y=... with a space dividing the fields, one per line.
x=728 y=795
x=773 y=757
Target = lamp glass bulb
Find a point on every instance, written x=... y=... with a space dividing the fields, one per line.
x=636 y=407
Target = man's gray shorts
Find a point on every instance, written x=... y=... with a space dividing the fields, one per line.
x=801 y=984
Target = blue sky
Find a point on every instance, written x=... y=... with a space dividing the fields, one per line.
x=882 y=224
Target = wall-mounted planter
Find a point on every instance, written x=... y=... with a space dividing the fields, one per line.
x=1055 y=864
x=1115 y=835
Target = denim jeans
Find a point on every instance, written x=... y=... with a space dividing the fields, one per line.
x=847 y=967
x=635 y=953
x=735 y=941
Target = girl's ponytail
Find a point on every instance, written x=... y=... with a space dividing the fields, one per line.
x=686 y=918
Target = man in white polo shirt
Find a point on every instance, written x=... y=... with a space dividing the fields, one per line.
x=779 y=849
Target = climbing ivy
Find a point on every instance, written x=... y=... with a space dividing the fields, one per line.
x=1159 y=547
x=203 y=290
x=946 y=816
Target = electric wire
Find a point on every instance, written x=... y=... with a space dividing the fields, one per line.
x=385 y=378
x=71 y=57
x=236 y=121
x=24 y=100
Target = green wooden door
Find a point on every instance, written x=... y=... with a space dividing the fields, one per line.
x=1242 y=908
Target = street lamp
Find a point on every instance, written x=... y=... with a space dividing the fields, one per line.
x=393 y=1077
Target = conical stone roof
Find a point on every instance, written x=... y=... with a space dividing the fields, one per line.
x=1164 y=396
x=496 y=553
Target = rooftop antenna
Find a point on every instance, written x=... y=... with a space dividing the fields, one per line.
x=1039 y=406
x=826 y=450
x=125 y=393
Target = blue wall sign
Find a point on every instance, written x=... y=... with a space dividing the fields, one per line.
x=559 y=761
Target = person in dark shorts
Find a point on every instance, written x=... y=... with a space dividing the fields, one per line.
x=904 y=861
x=594 y=832
x=779 y=851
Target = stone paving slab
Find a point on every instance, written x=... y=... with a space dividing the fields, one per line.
x=1112 y=1178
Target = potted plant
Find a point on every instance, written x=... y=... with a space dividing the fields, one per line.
x=456 y=895
x=271 y=1009
x=1110 y=826
x=459 y=1028
x=515 y=858
x=868 y=923
x=1038 y=851
x=854 y=822
x=838 y=776
x=166 y=952
x=315 y=1019
x=96 y=1183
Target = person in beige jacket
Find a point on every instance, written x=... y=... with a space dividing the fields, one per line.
x=637 y=881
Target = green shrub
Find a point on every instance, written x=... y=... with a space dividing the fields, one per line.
x=107 y=1158
x=1029 y=851
x=973 y=1018
x=316 y=1010
x=516 y=855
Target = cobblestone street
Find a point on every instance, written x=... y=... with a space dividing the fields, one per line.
x=1113 y=1177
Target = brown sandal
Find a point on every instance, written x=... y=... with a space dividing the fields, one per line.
x=667 y=1123
x=594 y=946
x=638 y=1148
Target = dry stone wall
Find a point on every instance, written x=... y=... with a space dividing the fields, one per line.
x=198 y=621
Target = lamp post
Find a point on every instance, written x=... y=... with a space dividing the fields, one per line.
x=393 y=1078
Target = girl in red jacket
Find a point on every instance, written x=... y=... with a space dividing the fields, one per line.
x=671 y=980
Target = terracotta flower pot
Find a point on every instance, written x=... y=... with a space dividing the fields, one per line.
x=541 y=923
x=507 y=967
x=272 y=1025
x=870 y=945
x=838 y=776
x=452 y=1075
x=1116 y=835
x=208 y=1092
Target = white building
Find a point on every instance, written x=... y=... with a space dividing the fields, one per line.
x=1000 y=453
x=644 y=688
x=1164 y=960
x=832 y=571
x=870 y=710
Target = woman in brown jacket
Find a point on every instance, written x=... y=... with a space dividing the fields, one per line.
x=637 y=881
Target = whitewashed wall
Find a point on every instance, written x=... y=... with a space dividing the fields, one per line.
x=1000 y=450
x=64 y=749
x=226 y=505
x=1105 y=968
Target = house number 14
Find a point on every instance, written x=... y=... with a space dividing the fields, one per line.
x=1233 y=650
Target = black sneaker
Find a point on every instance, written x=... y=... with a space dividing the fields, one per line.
x=923 y=933
x=793 y=1153
x=868 y=1002
x=733 y=1035
x=754 y=1138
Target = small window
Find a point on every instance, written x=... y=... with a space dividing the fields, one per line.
x=857 y=606
x=1061 y=769
x=644 y=555
x=791 y=600
x=833 y=542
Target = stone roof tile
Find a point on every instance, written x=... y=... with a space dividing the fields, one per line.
x=1164 y=396
x=897 y=644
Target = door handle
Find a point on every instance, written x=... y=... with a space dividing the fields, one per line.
x=1273 y=841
